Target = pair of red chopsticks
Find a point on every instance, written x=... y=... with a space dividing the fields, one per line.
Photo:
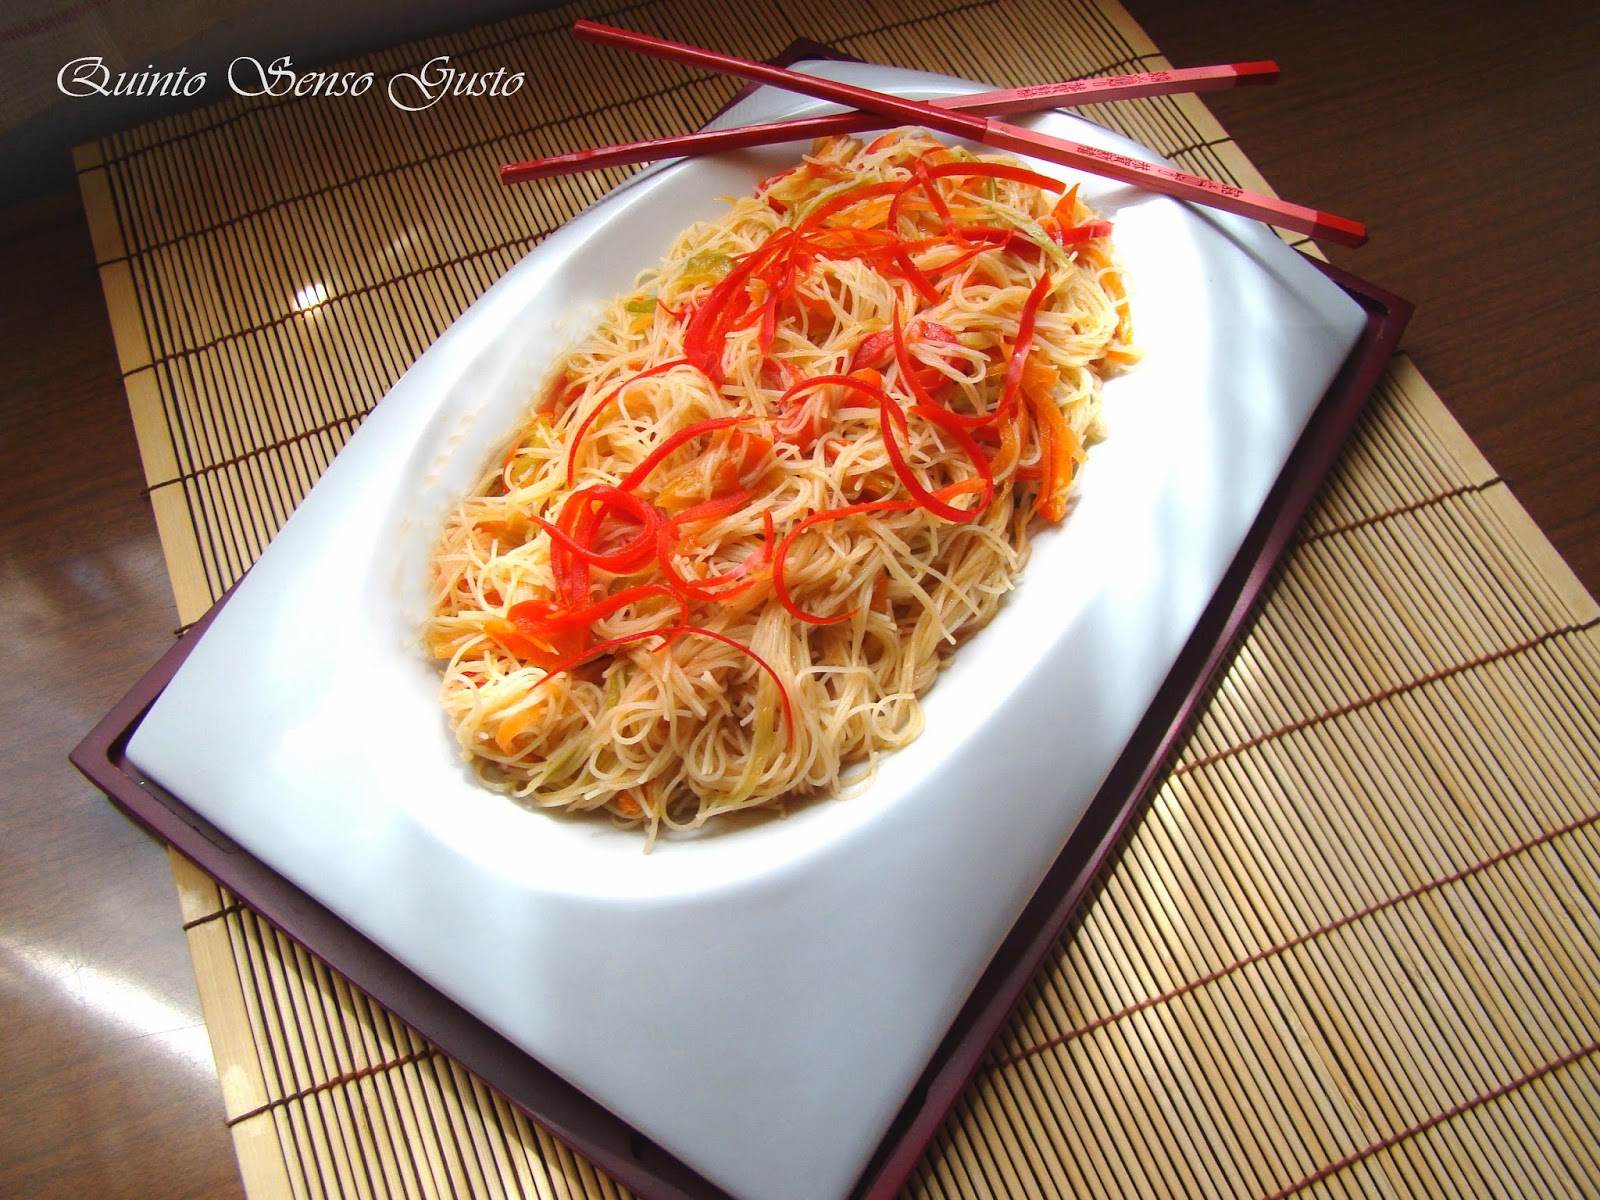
x=968 y=117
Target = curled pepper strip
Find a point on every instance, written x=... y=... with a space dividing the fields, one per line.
x=892 y=417
x=577 y=437
x=682 y=437
x=800 y=423
x=574 y=533
x=925 y=177
x=1019 y=350
x=914 y=378
x=892 y=250
x=951 y=425
x=780 y=584
x=707 y=331
x=991 y=170
x=722 y=587
x=783 y=692
x=908 y=268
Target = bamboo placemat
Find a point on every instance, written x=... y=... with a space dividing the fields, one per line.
x=1351 y=947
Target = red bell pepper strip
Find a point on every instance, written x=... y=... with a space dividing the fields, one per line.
x=878 y=349
x=536 y=618
x=1078 y=234
x=917 y=277
x=906 y=268
x=951 y=424
x=923 y=175
x=802 y=425
x=709 y=510
x=577 y=518
x=780 y=585
x=993 y=170
x=721 y=587
x=1065 y=230
x=574 y=533
x=1019 y=350
x=915 y=382
x=583 y=428
x=1013 y=240
x=708 y=329
x=783 y=692
x=892 y=417
x=687 y=434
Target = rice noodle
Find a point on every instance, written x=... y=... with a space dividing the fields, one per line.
x=785 y=476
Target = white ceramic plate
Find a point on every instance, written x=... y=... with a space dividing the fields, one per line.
x=758 y=1001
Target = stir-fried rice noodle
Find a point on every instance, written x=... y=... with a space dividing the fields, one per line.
x=757 y=508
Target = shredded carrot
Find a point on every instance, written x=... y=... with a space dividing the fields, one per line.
x=1061 y=452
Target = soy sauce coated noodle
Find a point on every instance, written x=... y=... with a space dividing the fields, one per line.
x=769 y=495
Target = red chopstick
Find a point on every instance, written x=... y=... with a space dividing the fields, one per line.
x=1002 y=136
x=1010 y=100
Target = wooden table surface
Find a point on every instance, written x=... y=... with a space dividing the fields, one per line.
x=1463 y=135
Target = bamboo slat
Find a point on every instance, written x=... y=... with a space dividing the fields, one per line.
x=1352 y=948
